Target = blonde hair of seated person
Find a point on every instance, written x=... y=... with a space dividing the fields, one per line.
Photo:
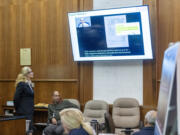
x=73 y=118
x=22 y=76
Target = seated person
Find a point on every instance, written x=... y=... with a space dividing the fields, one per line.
x=54 y=123
x=73 y=122
x=149 y=123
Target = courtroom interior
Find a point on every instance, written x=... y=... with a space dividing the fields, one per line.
x=89 y=67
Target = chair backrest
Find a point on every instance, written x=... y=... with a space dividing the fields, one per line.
x=95 y=110
x=74 y=101
x=126 y=113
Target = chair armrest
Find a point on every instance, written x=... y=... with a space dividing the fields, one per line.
x=109 y=123
x=141 y=124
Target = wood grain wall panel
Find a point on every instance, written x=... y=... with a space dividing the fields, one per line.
x=86 y=82
x=43 y=90
x=168 y=30
x=88 y=5
x=45 y=24
x=149 y=66
x=165 y=28
x=7 y=90
x=41 y=25
x=9 y=38
x=169 y=27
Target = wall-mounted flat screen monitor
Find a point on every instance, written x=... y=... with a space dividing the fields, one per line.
x=111 y=34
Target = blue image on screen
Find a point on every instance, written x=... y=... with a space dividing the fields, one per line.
x=83 y=22
x=93 y=40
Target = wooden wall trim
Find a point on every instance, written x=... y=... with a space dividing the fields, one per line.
x=86 y=82
x=149 y=66
x=148 y=107
x=43 y=80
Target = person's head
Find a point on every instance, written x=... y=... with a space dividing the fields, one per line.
x=56 y=97
x=150 y=118
x=25 y=75
x=72 y=119
x=27 y=71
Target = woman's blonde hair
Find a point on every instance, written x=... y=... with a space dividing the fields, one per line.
x=73 y=118
x=22 y=76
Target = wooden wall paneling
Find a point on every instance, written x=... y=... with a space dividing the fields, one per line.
x=9 y=37
x=42 y=26
x=165 y=28
x=7 y=90
x=169 y=29
x=44 y=90
x=88 y=4
x=149 y=66
x=86 y=82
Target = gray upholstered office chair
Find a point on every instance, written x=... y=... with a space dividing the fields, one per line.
x=95 y=110
x=126 y=115
x=74 y=101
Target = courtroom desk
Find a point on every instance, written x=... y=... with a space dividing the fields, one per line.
x=14 y=125
x=40 y=119
x=40 y=116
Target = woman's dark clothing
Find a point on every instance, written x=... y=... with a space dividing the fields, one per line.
x=145 y=131
x=78 y=131
x=24 y=101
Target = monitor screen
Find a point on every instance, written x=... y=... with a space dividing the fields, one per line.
x=112 y=34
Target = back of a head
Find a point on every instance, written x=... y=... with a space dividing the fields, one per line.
x=150 y=117
x=73 y=119
x=22 y=75
x=25 y=70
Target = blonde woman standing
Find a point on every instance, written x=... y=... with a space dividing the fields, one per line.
x=24 y=95
x=73 y=122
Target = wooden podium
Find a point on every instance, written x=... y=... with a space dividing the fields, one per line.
x=12 y=125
